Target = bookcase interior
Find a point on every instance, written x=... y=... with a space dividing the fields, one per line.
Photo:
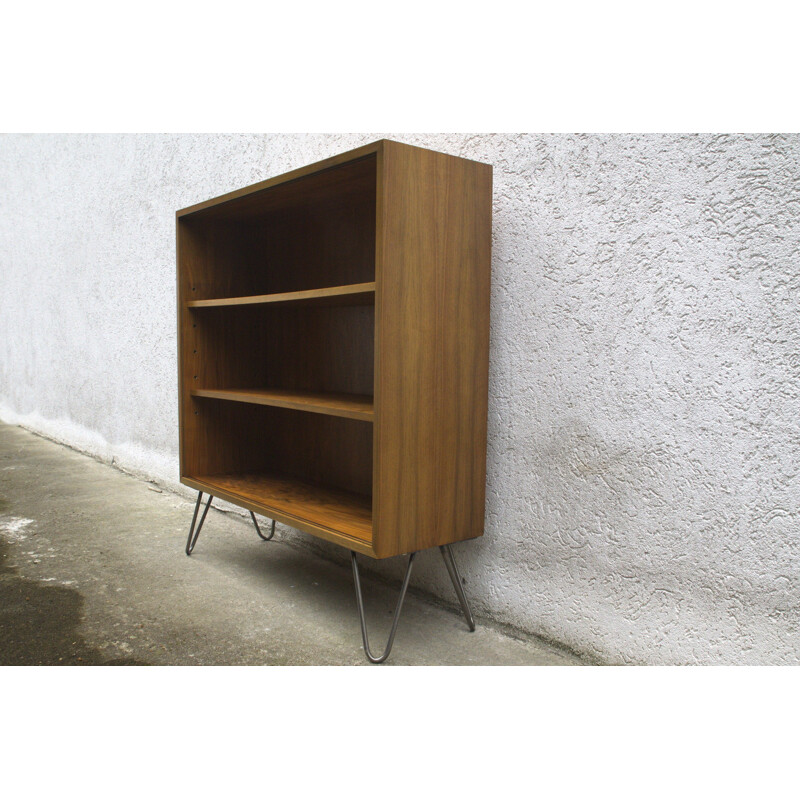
x=317 y=231
x=317 y=349
x=278 y=352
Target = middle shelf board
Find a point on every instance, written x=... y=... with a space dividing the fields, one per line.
x=352 y=406
x=355 y=294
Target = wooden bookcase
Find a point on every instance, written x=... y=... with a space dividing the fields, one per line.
x=333 y=329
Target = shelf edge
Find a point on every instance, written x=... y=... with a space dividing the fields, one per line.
x=288 y=297
x=244 y=396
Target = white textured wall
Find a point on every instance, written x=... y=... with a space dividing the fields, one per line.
x=645 y=407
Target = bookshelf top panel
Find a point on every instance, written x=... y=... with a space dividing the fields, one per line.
x=350 y=172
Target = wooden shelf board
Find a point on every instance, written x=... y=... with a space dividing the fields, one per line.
x=353 y=294
x=352 y=406
x=298 y=503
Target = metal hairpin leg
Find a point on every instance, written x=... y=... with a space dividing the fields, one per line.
x=450 y=563
x=360 y=602
x=258 y=530
x=455 y=577
x=195 y=532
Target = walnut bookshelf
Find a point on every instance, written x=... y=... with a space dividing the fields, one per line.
x=333 y=329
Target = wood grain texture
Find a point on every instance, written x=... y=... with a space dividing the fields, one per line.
x=254 y=492
x=293 y=237
x=432 y=304
x=342 y=512
x=350 y=406
x=287 y=190
x=354 y=294
x=324 y=349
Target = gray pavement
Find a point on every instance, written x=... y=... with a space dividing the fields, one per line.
x=92 y=571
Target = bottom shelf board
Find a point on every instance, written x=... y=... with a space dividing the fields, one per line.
x=321 y=507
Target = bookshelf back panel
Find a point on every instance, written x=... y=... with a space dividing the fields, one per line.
x=289 y=239
x=329 y=349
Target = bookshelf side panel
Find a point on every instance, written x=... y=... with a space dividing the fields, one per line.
x=432 y=349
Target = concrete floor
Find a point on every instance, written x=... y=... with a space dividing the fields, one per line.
x=92 y=571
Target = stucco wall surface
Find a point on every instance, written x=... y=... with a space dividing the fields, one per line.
x=644 y=428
